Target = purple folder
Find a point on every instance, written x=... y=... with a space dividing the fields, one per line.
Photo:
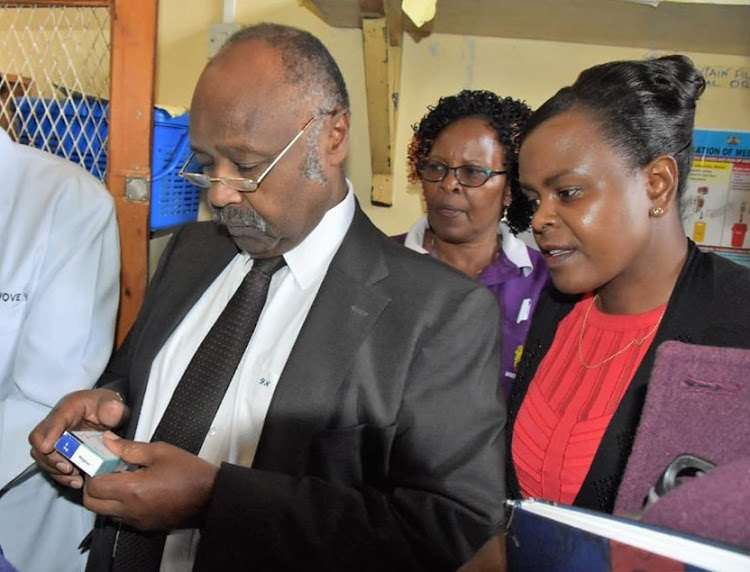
x=698 y=402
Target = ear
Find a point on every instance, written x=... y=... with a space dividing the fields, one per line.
x=662 y=178
x=336 y=143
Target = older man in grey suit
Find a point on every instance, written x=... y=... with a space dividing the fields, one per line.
x=362 y=428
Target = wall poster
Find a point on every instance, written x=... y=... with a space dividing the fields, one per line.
x=716 y=205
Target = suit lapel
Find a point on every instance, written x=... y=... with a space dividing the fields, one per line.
x=343 y=313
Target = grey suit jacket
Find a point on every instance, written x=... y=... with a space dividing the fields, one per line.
x=383 y=444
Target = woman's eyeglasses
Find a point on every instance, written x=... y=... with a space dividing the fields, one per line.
x=466 y=175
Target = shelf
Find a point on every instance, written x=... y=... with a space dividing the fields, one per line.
x=671 y=26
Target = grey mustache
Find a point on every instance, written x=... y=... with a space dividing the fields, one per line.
x=233 y=216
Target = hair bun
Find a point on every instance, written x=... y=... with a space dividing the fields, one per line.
x=644 y=108
x=688 y=81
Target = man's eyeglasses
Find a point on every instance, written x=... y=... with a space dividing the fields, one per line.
x=240 y=183
x=466 y=175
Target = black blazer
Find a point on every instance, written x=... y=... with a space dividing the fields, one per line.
x=383 y=444
x=710 y=305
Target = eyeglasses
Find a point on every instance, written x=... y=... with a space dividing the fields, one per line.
x=239 y=183
x=466 y=175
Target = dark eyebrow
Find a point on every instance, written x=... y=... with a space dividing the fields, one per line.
x=233 y=150
x=548 y=181
x=555 y=176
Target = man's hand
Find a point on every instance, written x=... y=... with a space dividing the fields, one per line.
x=99 y=409
x=170 y=488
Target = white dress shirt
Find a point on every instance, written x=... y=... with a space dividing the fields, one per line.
x=234 y=435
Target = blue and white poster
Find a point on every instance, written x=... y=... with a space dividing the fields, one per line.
x=716 y=205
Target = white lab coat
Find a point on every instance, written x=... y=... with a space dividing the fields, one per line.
x=59 y=290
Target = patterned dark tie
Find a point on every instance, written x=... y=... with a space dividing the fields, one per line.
x=197 y=397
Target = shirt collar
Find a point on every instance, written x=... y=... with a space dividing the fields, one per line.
x=513 y=247
x=415 y=237
x=309 y=260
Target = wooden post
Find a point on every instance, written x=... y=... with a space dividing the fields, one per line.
x=382 y=45
x=133 y=38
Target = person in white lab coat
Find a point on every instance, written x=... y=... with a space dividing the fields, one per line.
x=59 y=290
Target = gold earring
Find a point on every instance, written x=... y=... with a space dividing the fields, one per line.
x=656 y=212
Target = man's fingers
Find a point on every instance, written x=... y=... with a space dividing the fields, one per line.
x=44 y=436
x=73 y=481
x=132 y=452
x=117 y=495
x=156 y=495
x=57 y=466
x=96 y=498
x=75 y=410
x=111 y=412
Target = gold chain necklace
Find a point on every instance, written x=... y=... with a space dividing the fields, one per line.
x=636 y=341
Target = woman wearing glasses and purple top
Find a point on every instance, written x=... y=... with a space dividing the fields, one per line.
x=465 y=154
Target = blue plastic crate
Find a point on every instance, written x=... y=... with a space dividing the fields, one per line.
x=77 y=129
x=72 y=128
x=174 y=200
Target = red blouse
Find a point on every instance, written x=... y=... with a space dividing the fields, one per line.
x=569 y=405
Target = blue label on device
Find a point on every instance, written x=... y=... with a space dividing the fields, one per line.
x=67 y=445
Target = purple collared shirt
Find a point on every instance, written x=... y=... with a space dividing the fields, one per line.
x=517 y=295
x=516 y=287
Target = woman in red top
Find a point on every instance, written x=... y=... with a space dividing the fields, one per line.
x=605 y=162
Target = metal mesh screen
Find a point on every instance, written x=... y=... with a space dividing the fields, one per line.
x=54 y=80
